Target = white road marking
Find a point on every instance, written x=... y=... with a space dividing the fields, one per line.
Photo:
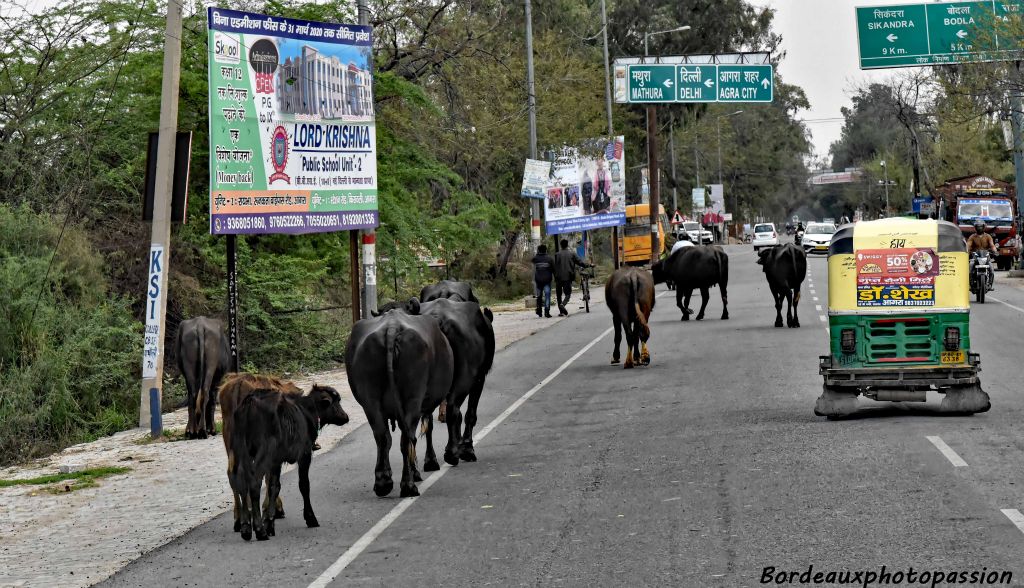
x=828 y=332
x=817 y=307
x=1017 y=308
x=946 y=450
x=815 y=298
x=821 y=318
x=363 y=542
x=1015 y=517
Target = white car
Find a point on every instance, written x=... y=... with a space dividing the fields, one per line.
x=817 y=237
x=765 y=235
x=693 y=229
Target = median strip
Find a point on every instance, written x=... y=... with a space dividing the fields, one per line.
x=946 y=450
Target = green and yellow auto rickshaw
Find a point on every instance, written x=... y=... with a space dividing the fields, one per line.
x=899 y=318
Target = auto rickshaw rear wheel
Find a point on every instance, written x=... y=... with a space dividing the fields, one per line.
x=835 y=402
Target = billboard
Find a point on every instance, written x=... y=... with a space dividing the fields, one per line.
x=293 y=145
x=535 y=178
x=587 y=189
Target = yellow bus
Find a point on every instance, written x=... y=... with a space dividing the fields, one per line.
x=635 y=244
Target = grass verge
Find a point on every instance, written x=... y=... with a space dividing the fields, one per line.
x=83 y=479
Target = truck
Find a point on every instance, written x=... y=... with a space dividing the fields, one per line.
x=968 y=199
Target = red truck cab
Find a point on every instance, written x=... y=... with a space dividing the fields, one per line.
x=969 y=199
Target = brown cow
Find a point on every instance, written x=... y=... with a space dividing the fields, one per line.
x=233 y=390
x=629 y=294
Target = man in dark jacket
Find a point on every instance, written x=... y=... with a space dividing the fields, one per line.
x=543 y=272
x=566 y=261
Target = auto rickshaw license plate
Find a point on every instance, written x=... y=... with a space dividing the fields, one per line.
x=952 y=357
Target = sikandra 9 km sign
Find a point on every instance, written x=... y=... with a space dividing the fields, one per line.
x=293 y=146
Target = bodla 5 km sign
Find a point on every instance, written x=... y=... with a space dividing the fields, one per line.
x=689 y=83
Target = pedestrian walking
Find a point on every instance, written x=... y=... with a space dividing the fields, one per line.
x=566 y=261
x=543 y=273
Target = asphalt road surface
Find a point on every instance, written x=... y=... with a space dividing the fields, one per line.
x=701 y=470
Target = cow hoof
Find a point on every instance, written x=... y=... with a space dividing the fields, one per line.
x=311 y=522
x=237 y=527
x=246 y=533
x=450 y=458
x=700 y=317
x=467 y=453
x=725 y=316
x=628 y=365
x=261 y=535
x=417 y=476
x=269 y=525
x=778 y=324
x=430 y=466
x=201 y=435
x=279 y=513
x=410 y=491
x=615 y=361
x=382 y=489
x=212 y=433
x=796 y=324
x=645 y=359
x=686 y=317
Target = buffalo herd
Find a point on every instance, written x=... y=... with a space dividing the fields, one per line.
x=405 y=362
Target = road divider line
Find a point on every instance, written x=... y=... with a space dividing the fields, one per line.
x=817 y=307
x=363 y=542
x=946 y=450
x=821 y=318
x=1017 y=308
x=1015 y=517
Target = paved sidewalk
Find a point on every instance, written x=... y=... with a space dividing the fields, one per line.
x=82 y=537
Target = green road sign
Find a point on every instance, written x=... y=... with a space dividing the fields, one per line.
x=698 y=83
x=680 y=82
x=652 y=83
x=933 y=34
x=745 y=83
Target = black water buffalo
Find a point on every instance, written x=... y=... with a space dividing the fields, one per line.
x=471 y=336
x=629 y=294
x=272 y=427
x=693 y=268
x=233 y=390
x=450 y=289
x=400 y=367
x=785 y=266
x=204 y=357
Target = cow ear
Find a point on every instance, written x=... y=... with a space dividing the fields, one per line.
x=489 y=315
x=414 y=305
x=374 y=313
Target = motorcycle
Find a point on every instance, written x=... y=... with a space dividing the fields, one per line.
x=981 y=276
x=799 y=237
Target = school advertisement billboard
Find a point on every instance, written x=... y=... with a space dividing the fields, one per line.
x=587 y=189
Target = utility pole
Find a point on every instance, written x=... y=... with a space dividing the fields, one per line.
x=369 y=235
x=1017 y=125
x=672 y=163
x=885 y=168
x=608 y=107
x=160 y=248
x=532 y=102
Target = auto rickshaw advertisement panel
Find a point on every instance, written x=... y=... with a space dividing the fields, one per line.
x=886 y=265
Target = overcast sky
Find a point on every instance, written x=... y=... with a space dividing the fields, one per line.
x=820 y=40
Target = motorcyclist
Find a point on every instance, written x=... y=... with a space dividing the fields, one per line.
x=981 y=241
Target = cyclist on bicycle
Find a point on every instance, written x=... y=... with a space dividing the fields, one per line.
x=566 y=262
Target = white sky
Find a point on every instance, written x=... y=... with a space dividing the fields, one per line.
x=820 y=40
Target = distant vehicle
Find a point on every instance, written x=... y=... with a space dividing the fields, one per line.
x=765 y=236
x=635 y=245
x=697 y=234
x=828 y=221
x=817 y=236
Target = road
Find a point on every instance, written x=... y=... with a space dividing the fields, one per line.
x=701 y=470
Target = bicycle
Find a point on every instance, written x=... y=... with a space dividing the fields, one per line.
x=586 y=274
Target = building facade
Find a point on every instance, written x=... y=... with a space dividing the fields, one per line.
x=322 y=85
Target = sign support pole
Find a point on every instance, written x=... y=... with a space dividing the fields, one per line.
x=652 y=157
x=369 y=235
x=608 y=107
x=353 y=264
x=233 y=338
x=532 y=102
x=156 y=299
x=1017 y=125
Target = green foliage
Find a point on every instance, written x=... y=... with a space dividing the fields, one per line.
x=84 y=475
x=68 y=351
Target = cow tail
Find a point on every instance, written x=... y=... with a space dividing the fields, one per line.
x=634 y=304
x=391 y=352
